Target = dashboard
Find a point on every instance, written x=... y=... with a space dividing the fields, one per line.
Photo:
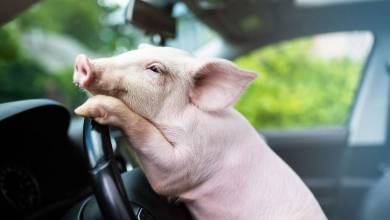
x=42 y=172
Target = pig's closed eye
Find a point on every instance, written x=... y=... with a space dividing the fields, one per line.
x=154 y=68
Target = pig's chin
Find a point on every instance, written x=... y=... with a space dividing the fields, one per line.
x=91 y=93
x=118 y=93
x=101 y=90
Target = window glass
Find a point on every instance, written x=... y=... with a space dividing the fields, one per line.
x=38 y=46
x=304 y=82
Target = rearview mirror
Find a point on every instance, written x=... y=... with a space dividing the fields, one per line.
x=151 y=19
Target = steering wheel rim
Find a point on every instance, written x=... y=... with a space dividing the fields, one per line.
x=104 y=173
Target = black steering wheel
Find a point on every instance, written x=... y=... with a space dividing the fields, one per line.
x=119 y=196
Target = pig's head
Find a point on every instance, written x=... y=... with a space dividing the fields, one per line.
x=155 y=81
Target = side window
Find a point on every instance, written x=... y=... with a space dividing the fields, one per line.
x=305 y=82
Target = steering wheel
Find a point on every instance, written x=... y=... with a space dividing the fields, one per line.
x=120 y=197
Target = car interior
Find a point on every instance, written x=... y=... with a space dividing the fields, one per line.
x=44 y=166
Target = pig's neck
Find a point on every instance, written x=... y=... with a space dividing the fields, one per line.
x=235 y=142
x=228 y=143
x=247 y=178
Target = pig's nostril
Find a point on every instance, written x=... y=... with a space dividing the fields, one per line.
x=84 y=71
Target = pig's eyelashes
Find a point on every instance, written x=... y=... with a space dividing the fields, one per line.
x=154 y=68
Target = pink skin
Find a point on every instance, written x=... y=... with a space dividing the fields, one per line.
x=175 y=110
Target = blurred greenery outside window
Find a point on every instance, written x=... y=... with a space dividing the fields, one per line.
x=305 y=82
x=38 y=47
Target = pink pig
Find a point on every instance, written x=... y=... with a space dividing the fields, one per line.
x=176 y=110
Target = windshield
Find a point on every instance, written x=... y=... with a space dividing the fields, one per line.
x=39 y=46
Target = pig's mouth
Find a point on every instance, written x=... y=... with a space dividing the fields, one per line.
x=96 y=87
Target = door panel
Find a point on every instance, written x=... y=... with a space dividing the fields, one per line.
x=316 y=156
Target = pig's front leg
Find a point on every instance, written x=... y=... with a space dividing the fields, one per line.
x=165 y=165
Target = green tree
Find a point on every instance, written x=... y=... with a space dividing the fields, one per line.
x=21 y=77
x=296 y=88
x=83 y=20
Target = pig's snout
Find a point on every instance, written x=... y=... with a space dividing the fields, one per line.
x=83 y=71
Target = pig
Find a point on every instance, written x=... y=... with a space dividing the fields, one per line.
x=176 y=111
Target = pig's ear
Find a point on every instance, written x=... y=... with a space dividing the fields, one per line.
x=217 y=84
